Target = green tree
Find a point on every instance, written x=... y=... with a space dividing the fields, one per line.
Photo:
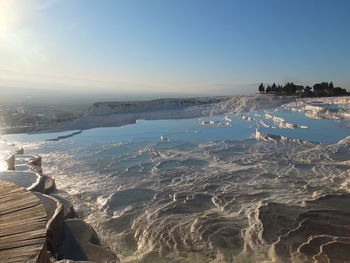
x=261 y=88
x=307 y=89
x=274 y=88
x=289 y=88
x=268 y=89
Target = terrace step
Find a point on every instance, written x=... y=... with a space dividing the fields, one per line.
x=29 y=180
x=55 y=221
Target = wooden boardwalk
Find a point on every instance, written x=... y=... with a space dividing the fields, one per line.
x=22 y=225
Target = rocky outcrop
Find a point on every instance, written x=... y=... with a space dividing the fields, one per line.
x=55 y=222
x=10 y=160
x=28 y=159
x=68 y=209
x=50 y=184
x=103 y=108
x=112 y=114
x=25 y=162
x=81 y=243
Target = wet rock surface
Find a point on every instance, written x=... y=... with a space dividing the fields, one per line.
x=82 y=244
x=50 y=184
x=318 y=231
x=213 y=201
x=55 y=222
x=29 y=180
x=68 y=209
x=128 y=197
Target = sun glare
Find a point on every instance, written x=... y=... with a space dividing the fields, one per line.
x=3 y=164
x=8 y=17
x=18 y=40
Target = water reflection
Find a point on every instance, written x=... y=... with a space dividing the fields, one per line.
x=3 y=164
x=207 y=192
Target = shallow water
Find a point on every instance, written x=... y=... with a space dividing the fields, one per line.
x=208 y=191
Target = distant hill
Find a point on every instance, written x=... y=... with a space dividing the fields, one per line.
x=18 y=95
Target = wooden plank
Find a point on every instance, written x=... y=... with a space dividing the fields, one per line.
x=22 y=225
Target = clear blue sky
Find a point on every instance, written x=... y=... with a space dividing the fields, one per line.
x=174 y=45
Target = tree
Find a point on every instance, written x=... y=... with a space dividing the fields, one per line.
x=340 y=91
x=323 y=89
x=279 y=88
x=274 y=88
x=261 y=88
x=319 y=89
x=268 y=89
x=307 y=89
x=289 y=88
x=299 y=88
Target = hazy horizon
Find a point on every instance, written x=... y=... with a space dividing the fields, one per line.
x=147 y=152
x=183 y=47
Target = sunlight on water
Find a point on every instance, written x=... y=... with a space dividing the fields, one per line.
x=230 y=188
x=3 y=164
x=3 y=155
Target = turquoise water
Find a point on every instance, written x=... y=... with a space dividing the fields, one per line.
x=192 y=130
x=190 y=191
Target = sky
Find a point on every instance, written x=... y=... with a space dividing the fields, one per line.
x=185 y=46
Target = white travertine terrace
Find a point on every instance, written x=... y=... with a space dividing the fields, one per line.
x=25 y=171
x=114 y=114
